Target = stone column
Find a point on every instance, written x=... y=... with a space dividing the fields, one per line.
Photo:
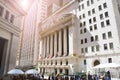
x=51 y=45
x=47 y=54
x=60 y=44
x=45 y=47
x=65 y=41
x=55 y=44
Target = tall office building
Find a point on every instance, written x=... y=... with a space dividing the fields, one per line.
x=28 y=52
x=79 y=35
x=10 y=23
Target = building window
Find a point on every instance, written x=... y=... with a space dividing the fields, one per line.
x=89 y=13
x=91 y=28
x=81 y=41
x=97 y=47
x=83 y=15
x=85 y=30
x=92 y=49
x=102 y=24
x=80 y=17
x=81 y=31
x=85 y=40
x=84 y=62
x=92 y=2
x=105 y=47
x=109 y=34
x=111 y=45
x=96 y=37
x=82 y=50
x=88 y=3
x=79 y=7
x=107 y=22
x=66 y=62
x=12 y=18
x=60 y=62
x=106 y=14
x=84 y=23
x=1 y=10
x=93 y=11
x=92 y=39
x=95 y=26
x=90 y=21
x=104 y=36
x=7 y=15
x=101 y=16
x=80 y=24
x=109 y=60
x=105 y=5
x=94 y=19
x=86 y=49
x=100 y=7
x=83 y=6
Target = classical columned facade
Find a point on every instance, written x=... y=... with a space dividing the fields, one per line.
x=57 y=53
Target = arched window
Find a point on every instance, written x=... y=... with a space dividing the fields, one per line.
x=96 y=62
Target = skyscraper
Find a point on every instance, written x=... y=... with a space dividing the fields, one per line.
x=28 y=54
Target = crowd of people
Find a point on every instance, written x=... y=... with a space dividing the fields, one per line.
x=89 y=76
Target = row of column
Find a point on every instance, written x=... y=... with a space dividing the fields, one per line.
x=56 y=44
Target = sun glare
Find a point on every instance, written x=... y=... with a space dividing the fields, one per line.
x=24 y=4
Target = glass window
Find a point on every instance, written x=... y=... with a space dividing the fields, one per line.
x=104 y=36
x=89 y=13
x=101 y=16
x=97 y=47
x=80 y=24
x=85 y=62
x=109 y=60
x=92 y=49
x=1 y=10
x=100 y=7
x=81 y=41
x=107 y=22
x=106 y=14
x=88 y=3
x=79 y=7
x=85 y=40
x=84 y=23
x=111 y=45
x=109 y=34
x=105 y=5
x=83 y=6
x=102 y=24
x=82 y=50
x=90 y=21
x=92 y=1
x=94 y=19
x=81 y=31
x=93 y=11
x=91 y=28
x=96 y=37
x=12 y=18
x=86 y=50
x=92 y=39
x=95 y=26
x=7 y=15
x=105 y=47
x=85 y=30
x=83 y=15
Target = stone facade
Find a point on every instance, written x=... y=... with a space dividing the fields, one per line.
x=10 y=23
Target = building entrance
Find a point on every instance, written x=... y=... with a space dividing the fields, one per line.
x=3 y=49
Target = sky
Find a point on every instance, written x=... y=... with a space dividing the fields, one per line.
x=25 y=4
